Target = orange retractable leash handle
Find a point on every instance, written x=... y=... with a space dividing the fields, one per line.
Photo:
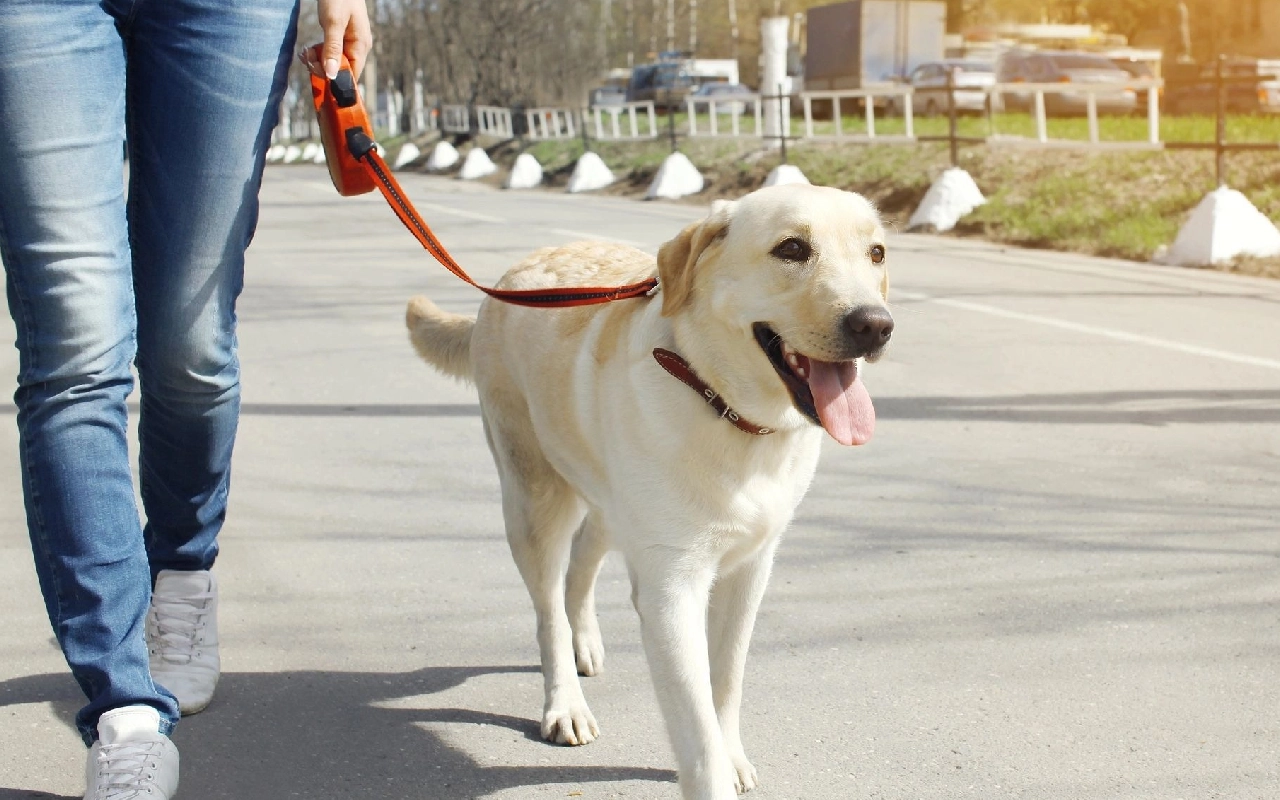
x=356 y=168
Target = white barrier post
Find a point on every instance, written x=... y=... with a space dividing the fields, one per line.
x=868 y=104
x=1091 y=109
x=1042 y=130
x=773 y=73
x=1153 y=115
x=908 y=112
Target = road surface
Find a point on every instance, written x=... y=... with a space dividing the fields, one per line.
x=1055 y=572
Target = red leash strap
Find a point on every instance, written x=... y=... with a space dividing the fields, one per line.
x=362 y=147
x=356 y=168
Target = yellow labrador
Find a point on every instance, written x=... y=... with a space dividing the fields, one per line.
x=682 y=430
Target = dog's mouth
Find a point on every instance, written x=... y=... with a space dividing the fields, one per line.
x=830 y=393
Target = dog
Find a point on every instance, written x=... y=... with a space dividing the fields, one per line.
x=682 y=429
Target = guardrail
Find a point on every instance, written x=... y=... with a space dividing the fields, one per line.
x=639 y=121
x=550 y=123
x=868 y=99
x=734 y=107
x=1069 y=94
x=634 y=113
x=455 y=119
x=495 y=121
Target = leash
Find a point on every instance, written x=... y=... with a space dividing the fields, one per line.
x=356 y=168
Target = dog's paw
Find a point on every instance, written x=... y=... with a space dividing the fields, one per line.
x=588 y=650
x=744 y=774
x=572 y=725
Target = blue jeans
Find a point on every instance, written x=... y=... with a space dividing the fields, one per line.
x=97 y=283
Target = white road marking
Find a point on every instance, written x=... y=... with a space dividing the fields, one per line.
x=1092 y=330
x=597 y=237
x=457 y=212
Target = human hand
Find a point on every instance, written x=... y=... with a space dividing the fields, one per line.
x=346 y=32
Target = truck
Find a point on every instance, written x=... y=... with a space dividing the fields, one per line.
x=674 y=76
x=861 y=44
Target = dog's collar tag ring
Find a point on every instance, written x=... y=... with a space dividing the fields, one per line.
x=680 y=369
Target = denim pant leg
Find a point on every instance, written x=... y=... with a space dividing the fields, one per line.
x=205 y=82
x=68 y=282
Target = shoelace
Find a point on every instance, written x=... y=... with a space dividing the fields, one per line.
x=178 y=623
x=123 y=770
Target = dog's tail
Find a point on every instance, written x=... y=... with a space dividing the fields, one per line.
x=443 y=339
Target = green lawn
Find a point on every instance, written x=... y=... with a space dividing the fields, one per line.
x=1133 y=128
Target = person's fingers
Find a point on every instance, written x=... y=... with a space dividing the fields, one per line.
x=346 y=31
x=334 y=30
x=309 y=56
x=358 y=40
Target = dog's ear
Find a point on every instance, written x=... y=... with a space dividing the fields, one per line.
x=676 y=258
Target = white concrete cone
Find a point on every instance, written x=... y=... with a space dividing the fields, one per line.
x=292 y=153
x=773 y=75
x=784 y=174
x=309 y=151
x=320 y=157
x=443 y=156
x=589 y=174
x=951 y=196
x=1223 y=226
x=408 y=153
x=275 y=153
x=477 y=165
x=676 y=177
x=526 y=173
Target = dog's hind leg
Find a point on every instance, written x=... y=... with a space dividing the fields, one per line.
x=670 y=589
x=542 y=512
x=735 y=599
x=589 y=549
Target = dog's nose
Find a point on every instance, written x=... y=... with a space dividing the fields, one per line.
x=870 y=327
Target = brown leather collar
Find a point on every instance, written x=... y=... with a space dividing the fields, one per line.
x=680 y=368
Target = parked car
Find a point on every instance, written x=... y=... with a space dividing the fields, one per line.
x=929 y=82
x=666 y=83
x=724 y=94
x=1139 y=71
x=1064 y=67
x=1192 y=88
x=605 y=96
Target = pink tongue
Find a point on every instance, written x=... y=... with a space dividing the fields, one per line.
x=842 y=401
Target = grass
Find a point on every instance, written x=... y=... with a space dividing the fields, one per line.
x=1111 y=128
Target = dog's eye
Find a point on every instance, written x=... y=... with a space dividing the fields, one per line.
x=877 y=254
x=792 y=249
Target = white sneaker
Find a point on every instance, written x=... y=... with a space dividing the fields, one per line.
x=182 y=636
x=131 y=760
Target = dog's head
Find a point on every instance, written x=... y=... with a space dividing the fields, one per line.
x=799 y=275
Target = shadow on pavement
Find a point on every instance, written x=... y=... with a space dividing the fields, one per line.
x=323 y=735
x=1114 y=408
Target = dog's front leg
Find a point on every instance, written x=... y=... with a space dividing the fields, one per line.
x=671 y=598
x=730 y=620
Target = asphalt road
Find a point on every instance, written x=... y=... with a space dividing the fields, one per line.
x=1055 y=572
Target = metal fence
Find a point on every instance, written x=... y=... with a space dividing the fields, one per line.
x=626 y=121
x=735 y=107
x=550 y=123
x=824 y=117
x=455 y=119
x=494 y=121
